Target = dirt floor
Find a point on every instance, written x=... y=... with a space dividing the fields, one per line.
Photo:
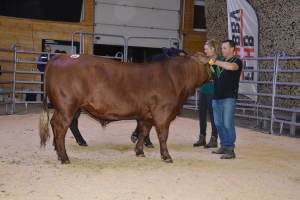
x=266 y=166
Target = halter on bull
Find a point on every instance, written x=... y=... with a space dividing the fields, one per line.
x=109 y=90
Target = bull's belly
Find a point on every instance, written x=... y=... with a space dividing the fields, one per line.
x=113 y=114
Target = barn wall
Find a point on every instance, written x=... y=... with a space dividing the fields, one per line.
x=29 y=34
x=194 y=40
x=278 y=31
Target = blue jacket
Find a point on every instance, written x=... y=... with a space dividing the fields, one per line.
x=43 y=58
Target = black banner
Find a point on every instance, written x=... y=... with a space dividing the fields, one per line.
x=54 y=10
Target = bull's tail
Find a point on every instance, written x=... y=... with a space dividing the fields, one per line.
x=44 y=121
x=44 y=117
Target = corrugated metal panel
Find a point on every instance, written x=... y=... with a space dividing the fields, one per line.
x=137 y=18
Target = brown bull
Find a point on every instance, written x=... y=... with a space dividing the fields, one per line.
x=109 y=90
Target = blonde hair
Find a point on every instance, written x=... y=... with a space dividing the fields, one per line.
x=213 y=43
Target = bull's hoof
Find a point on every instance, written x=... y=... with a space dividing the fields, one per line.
x=83 y=144
x=63 y=160
x=139 y=153
x=167 y=160
x=66 y=162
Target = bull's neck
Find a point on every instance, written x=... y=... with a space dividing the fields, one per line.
x=209 y=74
x=196 y=76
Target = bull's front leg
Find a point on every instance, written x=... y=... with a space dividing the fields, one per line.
x=144 y=130
x=162 y=130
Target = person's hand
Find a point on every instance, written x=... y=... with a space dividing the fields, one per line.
x=211 y=62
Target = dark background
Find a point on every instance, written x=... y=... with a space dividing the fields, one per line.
x=135 y=54
x=54 y=10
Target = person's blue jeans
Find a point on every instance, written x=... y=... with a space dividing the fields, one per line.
x=224 y=120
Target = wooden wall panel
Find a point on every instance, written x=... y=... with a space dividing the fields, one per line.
x=29 y=33
x=194 y=40
x=192 y=43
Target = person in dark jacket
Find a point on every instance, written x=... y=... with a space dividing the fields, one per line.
x=228 y=71
x=41 y=67
x=44 y=58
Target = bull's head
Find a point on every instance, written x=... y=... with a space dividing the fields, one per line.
x=172 y=51
x=204 y=61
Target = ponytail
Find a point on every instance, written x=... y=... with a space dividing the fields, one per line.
x=213 y=43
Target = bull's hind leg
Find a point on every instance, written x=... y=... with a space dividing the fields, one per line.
x=60 y=128
x=144 y=130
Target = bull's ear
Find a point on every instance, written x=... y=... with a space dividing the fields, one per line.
x=165 y=50
x=176 y=52
x=173 y=51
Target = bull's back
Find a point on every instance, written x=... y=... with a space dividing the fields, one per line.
x=103 y=72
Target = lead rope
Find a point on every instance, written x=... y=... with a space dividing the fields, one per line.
x=209 y=74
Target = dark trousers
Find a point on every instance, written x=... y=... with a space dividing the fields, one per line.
x=74 y=128
x=147 y=138
x=137 y=127
x=204 y=105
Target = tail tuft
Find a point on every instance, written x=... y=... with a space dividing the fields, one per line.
x=44 y=127
x=44 y=117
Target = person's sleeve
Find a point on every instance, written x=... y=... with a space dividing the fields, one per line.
x=40 y=66
x=239 y=63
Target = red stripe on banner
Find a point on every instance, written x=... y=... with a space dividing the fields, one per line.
x=243 y=75
x=248 y=51
x=237 y=51
x=242 y=42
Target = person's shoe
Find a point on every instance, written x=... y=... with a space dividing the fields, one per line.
x=212 y=143
x=134 y=137
x=200 y=142
x=229 y=154
x=147 y=142
x=84 y=144
x=220 y=151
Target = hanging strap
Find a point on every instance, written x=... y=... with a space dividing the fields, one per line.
x=234 y=58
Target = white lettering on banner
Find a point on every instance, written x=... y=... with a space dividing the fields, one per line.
x=243 y=30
